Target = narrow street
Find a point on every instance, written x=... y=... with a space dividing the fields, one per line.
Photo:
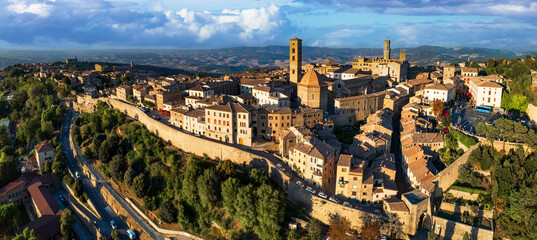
x=402 y=186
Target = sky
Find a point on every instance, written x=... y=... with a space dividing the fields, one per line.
x=187 y=24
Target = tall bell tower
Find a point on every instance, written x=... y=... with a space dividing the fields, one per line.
x=295 y=60
x=387 y=49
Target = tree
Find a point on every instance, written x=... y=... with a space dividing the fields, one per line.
x=78 y=188
x=339 y=229
x=130 y=174
x=315 y=230
x=167 y=212
x=227 y=168
x=466 y=236
x=67 y=221
x=431 y=235
x=229 y=194
x=115 y=235
x=437 y=107
x=293 y=235
x=117 y=167
x=270 y=212
x=370 y=231
x=140 y=185
x=8 y=169
x=208 y=188
x=27 y=234
x=258 y=176
x=189 y=192
x=245 y=206
x=451 y=141
x=107 y=150
x=47 y=167
x=4 y=136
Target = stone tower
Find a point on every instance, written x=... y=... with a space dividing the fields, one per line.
x=387 y=49
x=402 y=56
x=295 y=60
x=313 y=90
x=449 y=72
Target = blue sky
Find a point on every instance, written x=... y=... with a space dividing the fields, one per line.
x=57 y=24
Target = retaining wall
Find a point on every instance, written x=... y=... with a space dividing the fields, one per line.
x=199 y=145
x=325 y=210
x=453 y=230
x=449 y=175
x=123 y=214
x=450 y=207
x=84 y=219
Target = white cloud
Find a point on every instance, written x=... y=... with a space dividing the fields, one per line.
x=41 y=9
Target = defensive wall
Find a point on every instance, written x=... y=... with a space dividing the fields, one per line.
x=448 y=176
x=454 y=208
x=317 y=207
x=454 y=230
x=122 y=213
x=202 y=146
x=532 y=112
x=325 y=210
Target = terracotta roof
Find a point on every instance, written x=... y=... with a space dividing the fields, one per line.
x=443 y=87
x=469 y=69
x=46 y=147
x=315 y=148
x=23 y=179
x=419 y=81
x=427 y=137
x=344 y=160
x=243 y=108
x=313 y=79
x=195 y=113
x=218 y=107
x=395 y=204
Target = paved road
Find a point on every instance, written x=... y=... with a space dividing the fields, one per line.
x=80 y=230
x=93 y=194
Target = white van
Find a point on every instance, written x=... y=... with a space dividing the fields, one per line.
x=131 y=234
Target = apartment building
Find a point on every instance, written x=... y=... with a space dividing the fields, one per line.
x=270 y=97
x=486 y=93
x=271 y=121
x=315 y=161
x=194 y=121
x=231 y=123
x=123 y=92
x=200 y=91
x=442 y=92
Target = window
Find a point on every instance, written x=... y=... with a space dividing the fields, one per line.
x=354 y=187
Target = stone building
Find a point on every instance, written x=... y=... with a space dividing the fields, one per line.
x=271 y=121
x=44 y=152
x=448 y=72
x=486 y=93
x=313 y=90
x=295 y=60
x=123 y=92
x=315 y=161
x=349 y=110
x=164 y=96
x=231 y=123
x=270 y=97
x=396 y=69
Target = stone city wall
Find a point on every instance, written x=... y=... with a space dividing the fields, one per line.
x=448 y=229
x=202 y=146
x=325 y=210
x=450 y=207
x=449 y=175
x=123 y=214
x=464 y=195
x=80 y=213
x=532 y=112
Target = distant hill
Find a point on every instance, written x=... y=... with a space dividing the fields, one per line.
x=227 y=60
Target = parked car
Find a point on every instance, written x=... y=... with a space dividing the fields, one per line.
x=131 y=234
x=333 y=199
x=299 y=183
x=311 y=190
x=346 y=204
x=280 y=167
x=113 y=224
x=62 y=199
x=77 y=175
x=323 y=195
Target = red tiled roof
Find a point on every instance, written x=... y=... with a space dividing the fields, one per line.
x=46 y=147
